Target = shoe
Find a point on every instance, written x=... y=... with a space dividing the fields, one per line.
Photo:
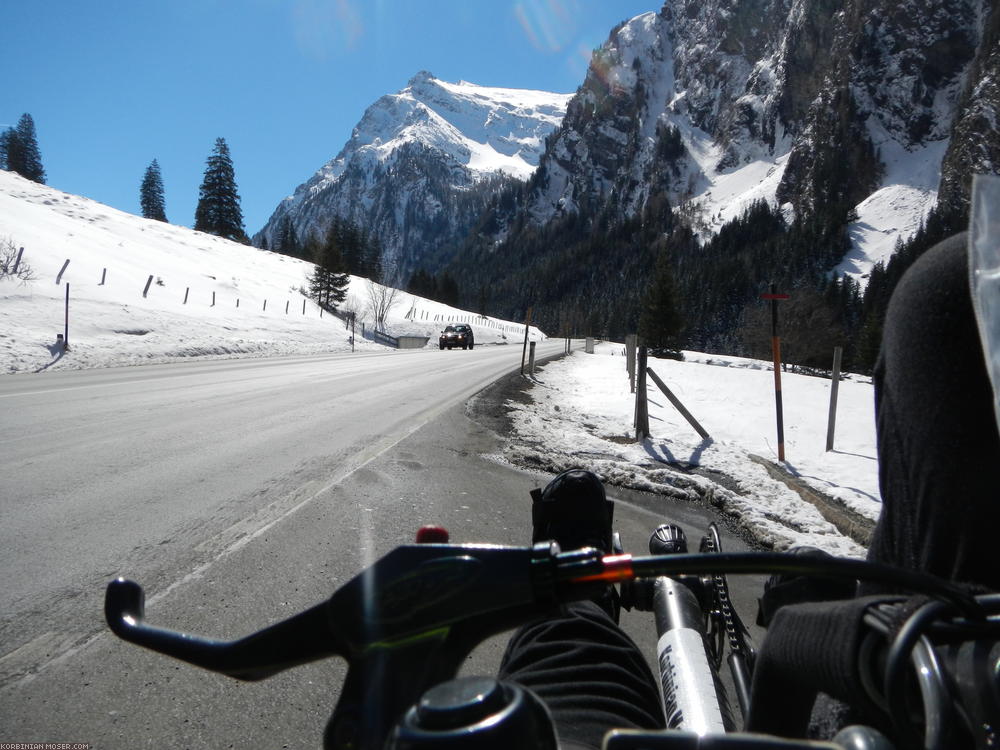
x=794 y=588
x=573 y=510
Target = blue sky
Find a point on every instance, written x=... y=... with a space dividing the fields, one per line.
x=114 y=84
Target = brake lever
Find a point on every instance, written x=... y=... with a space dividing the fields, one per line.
x=298 y=640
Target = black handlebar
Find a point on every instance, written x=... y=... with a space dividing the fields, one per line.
x=420 y=610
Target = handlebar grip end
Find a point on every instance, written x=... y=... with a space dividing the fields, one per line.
x=124 y=605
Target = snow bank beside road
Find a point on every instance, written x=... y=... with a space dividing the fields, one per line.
x=582 y=412
x=209 y=297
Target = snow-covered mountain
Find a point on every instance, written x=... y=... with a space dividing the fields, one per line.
x=714 y=104
x=705 y=106
x=412 y=157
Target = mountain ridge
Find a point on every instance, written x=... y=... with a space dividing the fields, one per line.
x=411 y=156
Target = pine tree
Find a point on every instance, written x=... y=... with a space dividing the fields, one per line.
x=373 y=259
x=151 y=193
x=218 y=210
x=329 y=281
x=8 y=142
x=286 y=241
x=19 y=150
x=660 y=322
x=448 y=292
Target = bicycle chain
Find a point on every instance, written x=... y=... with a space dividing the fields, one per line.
x=721 y=600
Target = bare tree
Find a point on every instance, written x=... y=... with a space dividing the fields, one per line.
x=381 y=299
x=8 y=257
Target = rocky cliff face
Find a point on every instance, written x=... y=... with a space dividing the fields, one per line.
x=812 y=105
x=411 y=169
x=975 y=144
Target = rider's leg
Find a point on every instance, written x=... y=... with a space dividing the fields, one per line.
x=938 y=445
x=590 y=674
x=588 y=671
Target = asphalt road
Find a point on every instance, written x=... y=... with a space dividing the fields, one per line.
x=237 y=493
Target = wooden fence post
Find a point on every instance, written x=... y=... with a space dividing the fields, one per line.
x=678 y=405
x=524 y=349
x=641 y=402
x=630 y=341
x=774 y=296
x=66 y=329
x=831 y=424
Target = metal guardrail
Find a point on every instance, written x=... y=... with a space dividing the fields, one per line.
x=380 y=338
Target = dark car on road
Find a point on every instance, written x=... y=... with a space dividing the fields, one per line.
x=457 y=335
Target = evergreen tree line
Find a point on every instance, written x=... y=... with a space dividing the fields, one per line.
x=442 y=287
x=342 y=251
x=19 y=150
x=360 y=251
x=579 y=274
x=605 y=277
x=651 y=275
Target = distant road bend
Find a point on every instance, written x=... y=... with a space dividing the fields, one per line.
x=161 y=468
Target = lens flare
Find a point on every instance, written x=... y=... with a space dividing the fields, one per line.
x=548 y=24
x=326 y=27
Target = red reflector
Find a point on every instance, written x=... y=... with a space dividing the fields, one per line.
x=432 y=535
x=616 y=568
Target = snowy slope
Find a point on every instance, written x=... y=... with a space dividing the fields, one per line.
x=259 y=308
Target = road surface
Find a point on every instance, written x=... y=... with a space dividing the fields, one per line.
x=237 y=493
x=160 y=469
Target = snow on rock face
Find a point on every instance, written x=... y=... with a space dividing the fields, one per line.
x=777 y=100
x=909 y=60
x=607 y=141
x=723 y=52
x=975 y=145
x=413 y=148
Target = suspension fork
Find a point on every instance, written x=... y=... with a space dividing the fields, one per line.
x=693 y=695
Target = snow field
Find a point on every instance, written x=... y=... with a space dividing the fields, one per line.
x=582 y=416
